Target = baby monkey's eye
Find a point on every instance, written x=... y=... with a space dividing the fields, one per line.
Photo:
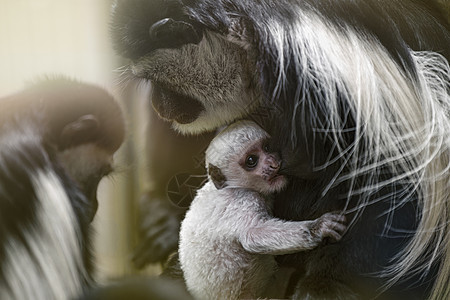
x=251 y=161
x=266 y=148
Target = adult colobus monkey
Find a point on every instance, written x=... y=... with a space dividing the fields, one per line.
x=356 y=97
x=57 y=139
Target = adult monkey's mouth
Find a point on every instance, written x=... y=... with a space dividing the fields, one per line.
x=173 y=106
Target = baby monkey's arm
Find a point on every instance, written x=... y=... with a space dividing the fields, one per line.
x=276 y=237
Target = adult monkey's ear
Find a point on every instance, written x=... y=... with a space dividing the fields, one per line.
x=217 y=177
x=240 y=32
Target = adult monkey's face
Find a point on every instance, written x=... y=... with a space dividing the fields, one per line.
x=200 y=79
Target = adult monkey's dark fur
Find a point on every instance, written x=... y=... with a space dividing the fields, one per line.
x=57 y=139
x=358 y=100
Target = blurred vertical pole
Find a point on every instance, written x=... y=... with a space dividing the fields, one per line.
x=118 y=224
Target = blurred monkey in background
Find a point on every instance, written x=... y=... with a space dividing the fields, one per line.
x=57 y=140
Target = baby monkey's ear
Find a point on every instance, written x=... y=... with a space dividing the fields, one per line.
x=217 y=177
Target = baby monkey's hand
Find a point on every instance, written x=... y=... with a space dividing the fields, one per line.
x=330 y=225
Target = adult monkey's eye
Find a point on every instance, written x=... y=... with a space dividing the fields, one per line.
x=251 y=161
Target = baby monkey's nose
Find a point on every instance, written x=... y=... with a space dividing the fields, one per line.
x=273 y=161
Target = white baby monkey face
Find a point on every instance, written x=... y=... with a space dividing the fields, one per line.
x=261 y=168
x=239 y=157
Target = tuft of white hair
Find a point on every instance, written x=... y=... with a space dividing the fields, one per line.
x=402 y=123
x=49 y=265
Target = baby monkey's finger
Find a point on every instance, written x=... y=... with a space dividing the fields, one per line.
x=336 y=216
x=333 y=234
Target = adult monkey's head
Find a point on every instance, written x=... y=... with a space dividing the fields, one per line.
x=201 y=78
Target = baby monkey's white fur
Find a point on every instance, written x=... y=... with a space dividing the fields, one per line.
x=228 y=237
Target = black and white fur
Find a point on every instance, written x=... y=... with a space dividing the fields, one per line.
x=356 y=97
x=57 y=139
x=228 y=237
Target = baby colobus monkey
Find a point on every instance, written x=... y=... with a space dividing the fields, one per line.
x=57 y=140
x=228 y=237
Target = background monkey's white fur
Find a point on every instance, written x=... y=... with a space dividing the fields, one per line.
x=228 y=238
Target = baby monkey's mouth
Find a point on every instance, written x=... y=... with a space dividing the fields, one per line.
x=277 y=183
x=274 y=177
x=277 y=180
